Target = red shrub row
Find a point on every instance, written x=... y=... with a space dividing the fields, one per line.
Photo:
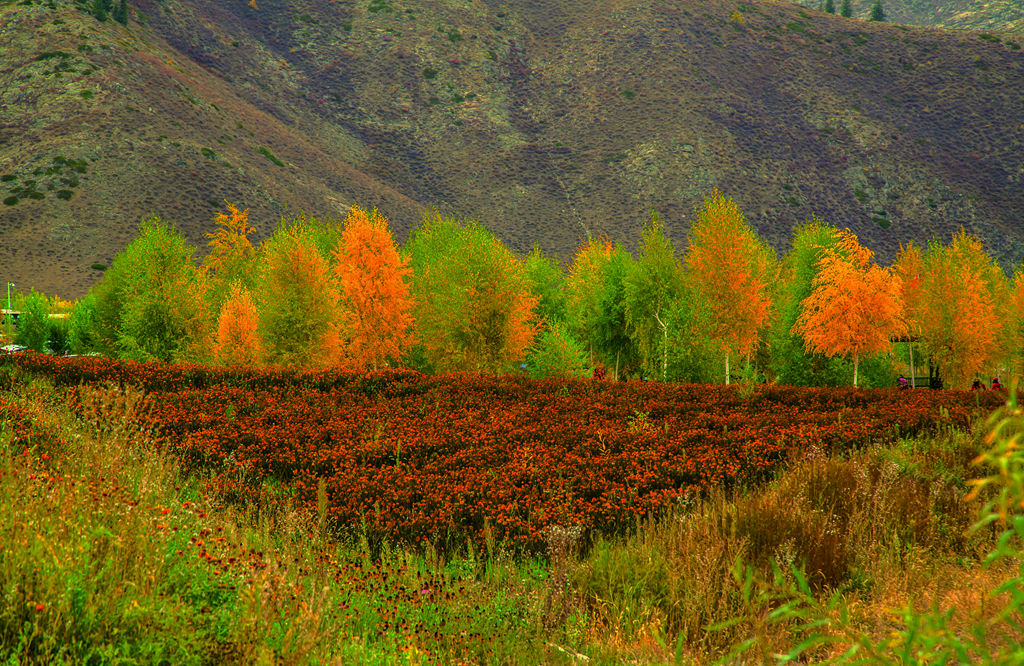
x=409 y=457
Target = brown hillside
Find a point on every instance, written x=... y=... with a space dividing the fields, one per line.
x=544 y=120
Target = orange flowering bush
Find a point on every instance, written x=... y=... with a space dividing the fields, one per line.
x=412 y=458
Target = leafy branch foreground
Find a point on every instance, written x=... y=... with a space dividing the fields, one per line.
x=111 y=554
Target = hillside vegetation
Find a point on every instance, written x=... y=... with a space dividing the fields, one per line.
x=983 y=15
x=544 y=121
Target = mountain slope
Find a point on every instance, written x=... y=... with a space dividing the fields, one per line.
x=544 y=120
x=990 y=15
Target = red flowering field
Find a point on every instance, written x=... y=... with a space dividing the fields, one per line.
x=406 y=457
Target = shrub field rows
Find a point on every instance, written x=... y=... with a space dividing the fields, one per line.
x=406 y=458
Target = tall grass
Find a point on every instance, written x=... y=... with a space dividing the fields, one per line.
x=110 y=555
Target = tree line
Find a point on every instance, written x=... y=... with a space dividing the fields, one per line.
x=317 y=293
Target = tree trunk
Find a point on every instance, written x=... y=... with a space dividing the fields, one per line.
x=664 y=356
x=727 y=367
x=664 y=350
x=617 y=364
x=855 y=359
x=910 y=347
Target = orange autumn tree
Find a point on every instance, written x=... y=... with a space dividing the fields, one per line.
x=855 y=306
x=732 y=271
x=1017 y=321
x=372 y=281
x=238 y=340
x=960 y=320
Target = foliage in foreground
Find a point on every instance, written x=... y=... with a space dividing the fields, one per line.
x=111 y=553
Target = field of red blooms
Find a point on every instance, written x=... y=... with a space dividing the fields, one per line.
x=406 y=457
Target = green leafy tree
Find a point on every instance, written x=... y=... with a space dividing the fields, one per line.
x=693 y=355
x=877 y=13
x=547 y=284
x=82 y=326
x=34 y=323
x=652 y=288
x=151 y=303
x=474 y=309
x=298 y=301
x=830 y=6
x=596 y=296
x=557 y=353
x=59 y=341
x=846 y=9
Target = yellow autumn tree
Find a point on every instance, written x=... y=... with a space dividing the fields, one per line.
x=960 y=319
x=300 y=310
x=732 y=271
x=909 y=267
x=373 y=282
x=238 y=339
x=854 y=308
x=229 y=242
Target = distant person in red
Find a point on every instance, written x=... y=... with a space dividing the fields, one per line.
x=599 y=372
x=996 y=384
x=977 y=385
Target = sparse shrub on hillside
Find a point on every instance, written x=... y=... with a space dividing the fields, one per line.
x=877 y=13
x=265 y=152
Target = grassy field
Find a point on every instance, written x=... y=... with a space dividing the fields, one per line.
x=112 y=554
